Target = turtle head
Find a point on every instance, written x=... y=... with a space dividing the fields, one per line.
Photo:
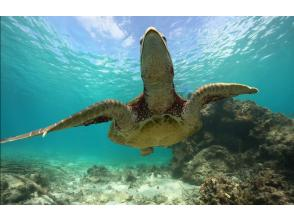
x=156 y=63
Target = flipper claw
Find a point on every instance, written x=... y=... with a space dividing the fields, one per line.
x=44 y=134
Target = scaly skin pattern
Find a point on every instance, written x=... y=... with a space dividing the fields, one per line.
x=158 y=117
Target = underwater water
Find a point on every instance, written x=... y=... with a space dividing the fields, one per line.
x=52 y=67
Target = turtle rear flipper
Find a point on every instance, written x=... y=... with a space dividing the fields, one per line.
x=106 y=110
x=146 y=151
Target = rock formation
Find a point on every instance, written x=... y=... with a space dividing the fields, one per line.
x=241 y=149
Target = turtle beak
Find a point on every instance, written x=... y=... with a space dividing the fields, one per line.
x=156 y=63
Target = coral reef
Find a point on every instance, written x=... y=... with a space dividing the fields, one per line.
x=264 y=187
x=221 y=190
x=268 y=187
x=239 y=140
x=23 y=183
x=98 y=174
x=209 y=161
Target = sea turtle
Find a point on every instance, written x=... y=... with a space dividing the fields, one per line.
x=157 y=117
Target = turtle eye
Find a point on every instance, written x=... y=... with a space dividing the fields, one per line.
x=164 y=38
x=141 y=40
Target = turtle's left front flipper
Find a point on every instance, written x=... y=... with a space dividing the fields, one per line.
x=108 y=109
x=214 y=92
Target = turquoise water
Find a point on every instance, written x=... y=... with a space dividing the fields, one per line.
x=51 y=68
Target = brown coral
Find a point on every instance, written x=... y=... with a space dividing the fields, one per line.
x=221 y=190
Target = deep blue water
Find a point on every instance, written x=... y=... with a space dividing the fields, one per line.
x=51 y=67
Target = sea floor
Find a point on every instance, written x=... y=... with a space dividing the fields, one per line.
x=61 y=182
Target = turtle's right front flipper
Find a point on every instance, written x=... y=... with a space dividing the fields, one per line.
x=108 y=109
x=214 y=92
x=210 y=93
